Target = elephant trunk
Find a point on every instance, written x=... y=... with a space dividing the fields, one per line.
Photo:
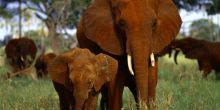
x=140 y=57
x=80 y=95
x=79 y=105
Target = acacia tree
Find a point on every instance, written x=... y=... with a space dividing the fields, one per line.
x=205 y=29
x=58 y=15
x=47 y=11
x=210 y=6
x=20 y=19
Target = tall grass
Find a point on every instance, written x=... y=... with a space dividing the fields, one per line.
x=180 y=87
x=25 y=94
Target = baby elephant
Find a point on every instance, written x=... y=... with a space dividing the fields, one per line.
x=78 y=76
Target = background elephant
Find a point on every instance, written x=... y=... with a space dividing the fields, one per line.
x=206 y=53
x=42 y=62
x=79 y=75
x=139 y=28
x=20 y=53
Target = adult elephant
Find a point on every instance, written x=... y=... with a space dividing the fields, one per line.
x=78 y=76
x=139 y=28
x=20 y=53
x=206 y=53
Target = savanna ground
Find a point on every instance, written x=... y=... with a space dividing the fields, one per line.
x=180 y=87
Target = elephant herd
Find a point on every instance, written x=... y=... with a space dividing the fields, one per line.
x=206 y=53
x=120 y=42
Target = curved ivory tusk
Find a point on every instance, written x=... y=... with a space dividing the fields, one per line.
x=22 y=58
x=129 y=60
x=178 y=49
x=152 y=59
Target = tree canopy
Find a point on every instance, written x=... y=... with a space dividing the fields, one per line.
x=210 y=6
x=205 y=29
x=55 y=9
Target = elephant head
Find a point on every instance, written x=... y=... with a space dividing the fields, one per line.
x=139 y=28
x=21 y=52
x=83 y=73
x=42 y=62
x=191 y=48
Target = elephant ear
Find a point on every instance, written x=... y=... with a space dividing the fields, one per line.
x=98 y=26
x=48 y=57
x=167 y=26
x=106 y=67
x=58 y=69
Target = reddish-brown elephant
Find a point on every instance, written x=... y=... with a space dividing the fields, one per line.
x=79 y=75
x=206 y=53
x=139 y=28
x=20 y=53
x=42 y=62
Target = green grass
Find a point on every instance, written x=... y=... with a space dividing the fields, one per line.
x=180 y=87
x=25 y=94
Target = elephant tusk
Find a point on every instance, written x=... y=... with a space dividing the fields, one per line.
x=152 y=59
x=178 y=49
x=22 y=58
x=129 y=60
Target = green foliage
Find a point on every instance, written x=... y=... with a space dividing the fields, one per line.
x=181 y=87
x=63 y=44
x=186 y=4
x=205 y=29
x=214 y=7
x=5 y=14
x=211 y=6
x=79 y=4
x=25 y=94
x=76 y=7
x=38 y=38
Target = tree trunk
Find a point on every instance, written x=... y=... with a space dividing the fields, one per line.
x=20 y=19
x=53 y=35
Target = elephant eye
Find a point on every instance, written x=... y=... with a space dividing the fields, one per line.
x=154 y=24
x=122 y=23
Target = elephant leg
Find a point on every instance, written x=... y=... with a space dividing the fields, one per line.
x=206 y=67
x=152 y=83
x=91 y=103
x=206 y=72
x=115 y=91
x=15 y=66
x=65 y=97
x=104 y=98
